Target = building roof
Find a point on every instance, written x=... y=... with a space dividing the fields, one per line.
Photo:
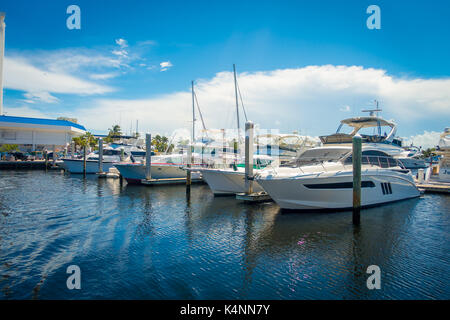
x=51 y=122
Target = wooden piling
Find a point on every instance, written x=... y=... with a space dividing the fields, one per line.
x=189 y=165
x=357 y=159
x=54 y=156
x=100 y=155
x=148 y=156
x=249 y=126
x=84 y=159
x=46 y=159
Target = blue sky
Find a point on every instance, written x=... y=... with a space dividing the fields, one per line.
x=116 y=59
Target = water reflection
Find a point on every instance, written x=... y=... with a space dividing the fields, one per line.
x=164 y=242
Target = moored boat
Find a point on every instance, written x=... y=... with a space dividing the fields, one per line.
x=322 y=179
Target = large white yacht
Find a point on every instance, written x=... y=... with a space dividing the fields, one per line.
x=322 y=179
x=386 y=142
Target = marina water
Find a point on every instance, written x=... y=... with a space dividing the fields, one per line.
x=137 y=242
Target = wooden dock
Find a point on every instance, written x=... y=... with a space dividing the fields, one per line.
x=433 y=185
x=254 y=197
x=112 y=175
x=27 y=165
x=169 y=181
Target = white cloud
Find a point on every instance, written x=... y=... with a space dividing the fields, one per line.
x=103 y=76
x=306 y=99
x=428 y=139
x=345 y=108
x=39 y=83
x=165 y=65
x=122 y=43
x=41 y=96
x=26 y=111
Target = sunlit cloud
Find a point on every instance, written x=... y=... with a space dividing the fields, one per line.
x=165 y=65
x=304 y=99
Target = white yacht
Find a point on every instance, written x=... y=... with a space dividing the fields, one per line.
x=386 y=142
x=111 y=155
x=322 y=179
x=444 y=151
x=231 y=180
x=162 y=167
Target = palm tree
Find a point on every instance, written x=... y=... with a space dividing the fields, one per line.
x=115 y=131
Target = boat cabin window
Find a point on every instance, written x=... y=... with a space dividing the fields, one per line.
x=111 y=152
x=312 y=156
x=375 y=157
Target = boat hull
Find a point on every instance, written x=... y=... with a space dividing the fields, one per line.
x=334 y=191
x=135 y=173
x=76 y=166
x=227 y=182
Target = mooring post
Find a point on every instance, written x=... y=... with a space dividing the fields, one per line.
x=249 y=126
x=46 y=158
x=84 y=159
x=72 y=150
x=357 y=158
x=420 y=175
x=148 y=156
x=189 y=165
x=100 y=155
x=224 y=149
x=54 y=156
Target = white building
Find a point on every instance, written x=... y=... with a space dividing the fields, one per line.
x=34 y=134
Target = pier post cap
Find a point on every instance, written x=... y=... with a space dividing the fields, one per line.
x=249 y=124
x=357 y=137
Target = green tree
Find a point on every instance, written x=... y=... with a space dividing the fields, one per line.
x=85 y=140
x=161 y=144
x=115 y=131
x=9 y=148
x=429 y=152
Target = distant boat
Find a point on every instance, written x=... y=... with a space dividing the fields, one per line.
x=444 y=151
x=111 y=156
x=322 y=179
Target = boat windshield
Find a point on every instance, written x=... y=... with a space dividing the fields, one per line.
x=318 y=155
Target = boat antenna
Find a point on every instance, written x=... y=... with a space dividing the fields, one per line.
x=372 y=111
x=193 y=112
x=372 y=114
x=200 y=113
x=242 y=102
x=237 y=102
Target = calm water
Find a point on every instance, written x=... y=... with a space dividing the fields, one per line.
x=135 y=242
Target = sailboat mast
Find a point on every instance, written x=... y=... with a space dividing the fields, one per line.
x=237 y=102
x=193 y=113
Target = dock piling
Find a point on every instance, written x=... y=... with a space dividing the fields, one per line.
x=84 y=159
x=100 y=155
x=420 y=176
x=54 y=156
x=189 y=165
x=249 y=126
x=357 y=159
x=148 y=156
